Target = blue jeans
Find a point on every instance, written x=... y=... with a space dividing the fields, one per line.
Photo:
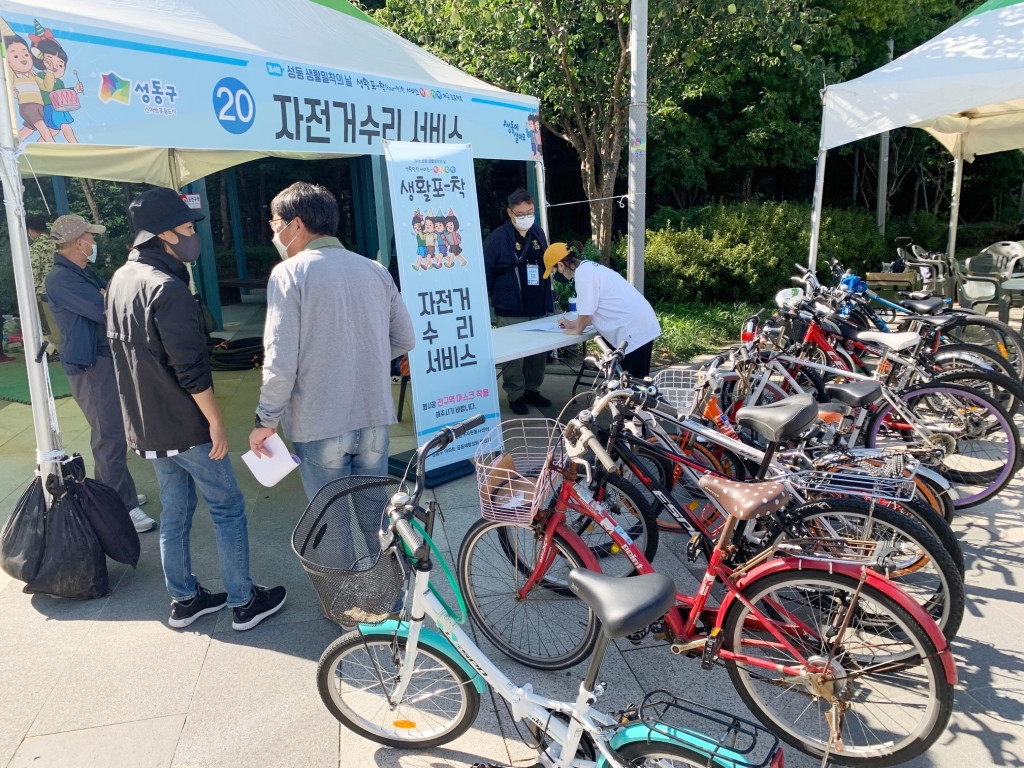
x=359 y=452
x=179 y=476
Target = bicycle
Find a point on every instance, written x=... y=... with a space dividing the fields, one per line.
x=831 y=656
x=401 y=684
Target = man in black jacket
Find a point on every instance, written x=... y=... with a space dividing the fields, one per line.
x=170 y=414
x=514 y=263
x=75 y=295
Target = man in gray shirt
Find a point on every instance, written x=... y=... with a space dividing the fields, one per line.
x=335 y=321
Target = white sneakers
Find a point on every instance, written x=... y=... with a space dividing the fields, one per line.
x=143 y=522
x=142 y=499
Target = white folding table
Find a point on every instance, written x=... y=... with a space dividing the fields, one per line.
x=512 y=342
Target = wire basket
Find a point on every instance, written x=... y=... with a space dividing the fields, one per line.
x=678 y=386
x=336 y=539
x=517 y=464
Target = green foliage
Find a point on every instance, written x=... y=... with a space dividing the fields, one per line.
x=747 y=252
x=688 y=330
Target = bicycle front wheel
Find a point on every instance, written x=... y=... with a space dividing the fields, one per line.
x=980 y=443
x=866 y=657
x=546 y=628
x=358 y=674
x=630 y=509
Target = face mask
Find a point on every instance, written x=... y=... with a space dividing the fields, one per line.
x=187 y=249
x=523 y=223
x=282 y=248
x=92 y=255
x=558 y=277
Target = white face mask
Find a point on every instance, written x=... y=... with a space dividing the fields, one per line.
x=523 y=223
x=92 y=255
x=282 y=248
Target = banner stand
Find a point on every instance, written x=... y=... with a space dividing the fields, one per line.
x=435 y=477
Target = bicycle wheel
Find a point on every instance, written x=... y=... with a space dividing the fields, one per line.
x=654 y=754
x=684 y=490
x=883 y=668
x=933 y=489
x=358 y=673
x=908 y=553
x=981 y=443
x=988 y=332
x=921 y=511
x=988 y=374
x=630 y=509
x=549 y=627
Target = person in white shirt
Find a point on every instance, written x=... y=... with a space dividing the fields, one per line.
x=605 y=300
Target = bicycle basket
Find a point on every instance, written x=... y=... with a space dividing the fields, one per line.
x=517 y=464
x=678 y=386
x=336 y=541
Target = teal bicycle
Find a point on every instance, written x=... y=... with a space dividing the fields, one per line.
x=365 y=544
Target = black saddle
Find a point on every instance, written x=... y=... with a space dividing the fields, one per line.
x=855 y=394
x=924 y=306
x=782 y=420
x=624 y=606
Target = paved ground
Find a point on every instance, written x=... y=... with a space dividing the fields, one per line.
x=107 y=684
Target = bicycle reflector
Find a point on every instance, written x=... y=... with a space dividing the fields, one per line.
x=749 y=332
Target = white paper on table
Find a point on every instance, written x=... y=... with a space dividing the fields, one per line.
x=270 y=470
x=552 y=327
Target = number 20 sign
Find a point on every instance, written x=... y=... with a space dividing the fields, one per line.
x=234 y=105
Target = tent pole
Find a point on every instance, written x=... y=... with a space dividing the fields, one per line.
x=637 y=144
x=954 y=208
x=44 y=419
x=819 y=191
x=542 y=197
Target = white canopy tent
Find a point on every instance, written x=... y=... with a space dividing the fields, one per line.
x=965 y=87
x=168 y=91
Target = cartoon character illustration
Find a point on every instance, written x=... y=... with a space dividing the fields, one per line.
x=430 y=238
x=26 y=84
x=60 y=100
x=533 y=125
x=453 y=238
x=422 y=262
x=441 y=257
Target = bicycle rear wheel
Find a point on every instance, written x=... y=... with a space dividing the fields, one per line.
x=358 y=673
x=991 y=333
x=981 y=443
x=547 y=628
x=883 y=668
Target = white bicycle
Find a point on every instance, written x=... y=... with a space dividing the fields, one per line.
x=366 y=546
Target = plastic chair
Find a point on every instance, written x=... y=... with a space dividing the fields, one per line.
x=975 y=291
x=933 y=266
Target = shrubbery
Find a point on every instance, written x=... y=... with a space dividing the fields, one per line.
x=747 y=252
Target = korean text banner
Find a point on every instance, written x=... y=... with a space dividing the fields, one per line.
x=75 y=83
x=441 y=267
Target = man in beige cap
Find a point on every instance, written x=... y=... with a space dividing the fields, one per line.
x=75 y=295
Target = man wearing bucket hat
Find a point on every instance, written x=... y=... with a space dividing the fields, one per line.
x=75 y=297
x=605 y=300
x=170 y=414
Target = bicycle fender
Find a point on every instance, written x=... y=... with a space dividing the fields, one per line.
x=918 y=613
x=432 y=640
x=714 y=751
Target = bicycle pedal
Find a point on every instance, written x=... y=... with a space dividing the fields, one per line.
x=712 y=646
x=693 y=548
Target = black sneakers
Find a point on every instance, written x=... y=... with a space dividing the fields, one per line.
x=519 y=406
x=264 y=602
x=533 y=397
x=185 y=612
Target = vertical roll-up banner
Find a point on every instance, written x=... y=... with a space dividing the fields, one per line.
x=441 y=265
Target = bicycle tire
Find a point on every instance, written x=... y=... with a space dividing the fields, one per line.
x=936 y=495
x=998 y=381
x=988 y=332
x=354 y=675
x=682 y=490
x=938 y=526
x=628 y=506
x=913 y=557
x=657 y=754
x=984 y=429
x=807 y=380
x=887 y=668
x=550 y=628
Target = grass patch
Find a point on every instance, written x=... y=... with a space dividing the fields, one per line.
x=688 y=330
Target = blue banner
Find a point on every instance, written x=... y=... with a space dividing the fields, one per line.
x=79 y=84
x=441 y=264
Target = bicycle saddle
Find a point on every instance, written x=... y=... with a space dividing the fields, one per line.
x=894 y=341
x=624 y=606
x=856 y=394
x=924 y=306
x=915 y=295
x=937 y=321
x=782 y=420
x=745 y=501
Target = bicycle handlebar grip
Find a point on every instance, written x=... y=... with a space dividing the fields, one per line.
x=602 y=345
x=412 y=539
x=663 y=407
x=801 y=268
x=463 y=427
x=602 y=455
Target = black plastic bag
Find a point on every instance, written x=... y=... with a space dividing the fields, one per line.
x=73 y=563
x=107 y=514
x=23 y=537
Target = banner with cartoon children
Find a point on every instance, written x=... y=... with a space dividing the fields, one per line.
x=440 y=256
x=76 y=82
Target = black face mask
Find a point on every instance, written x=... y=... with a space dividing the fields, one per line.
x=559 y=277
x=187 y=249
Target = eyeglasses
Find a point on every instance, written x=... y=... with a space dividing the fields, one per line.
x=528 y=212
x=277 y=224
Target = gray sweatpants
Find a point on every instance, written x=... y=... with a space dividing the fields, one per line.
x=526 y=373
x=95 y=391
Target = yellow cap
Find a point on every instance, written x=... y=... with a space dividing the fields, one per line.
x=554 y=254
